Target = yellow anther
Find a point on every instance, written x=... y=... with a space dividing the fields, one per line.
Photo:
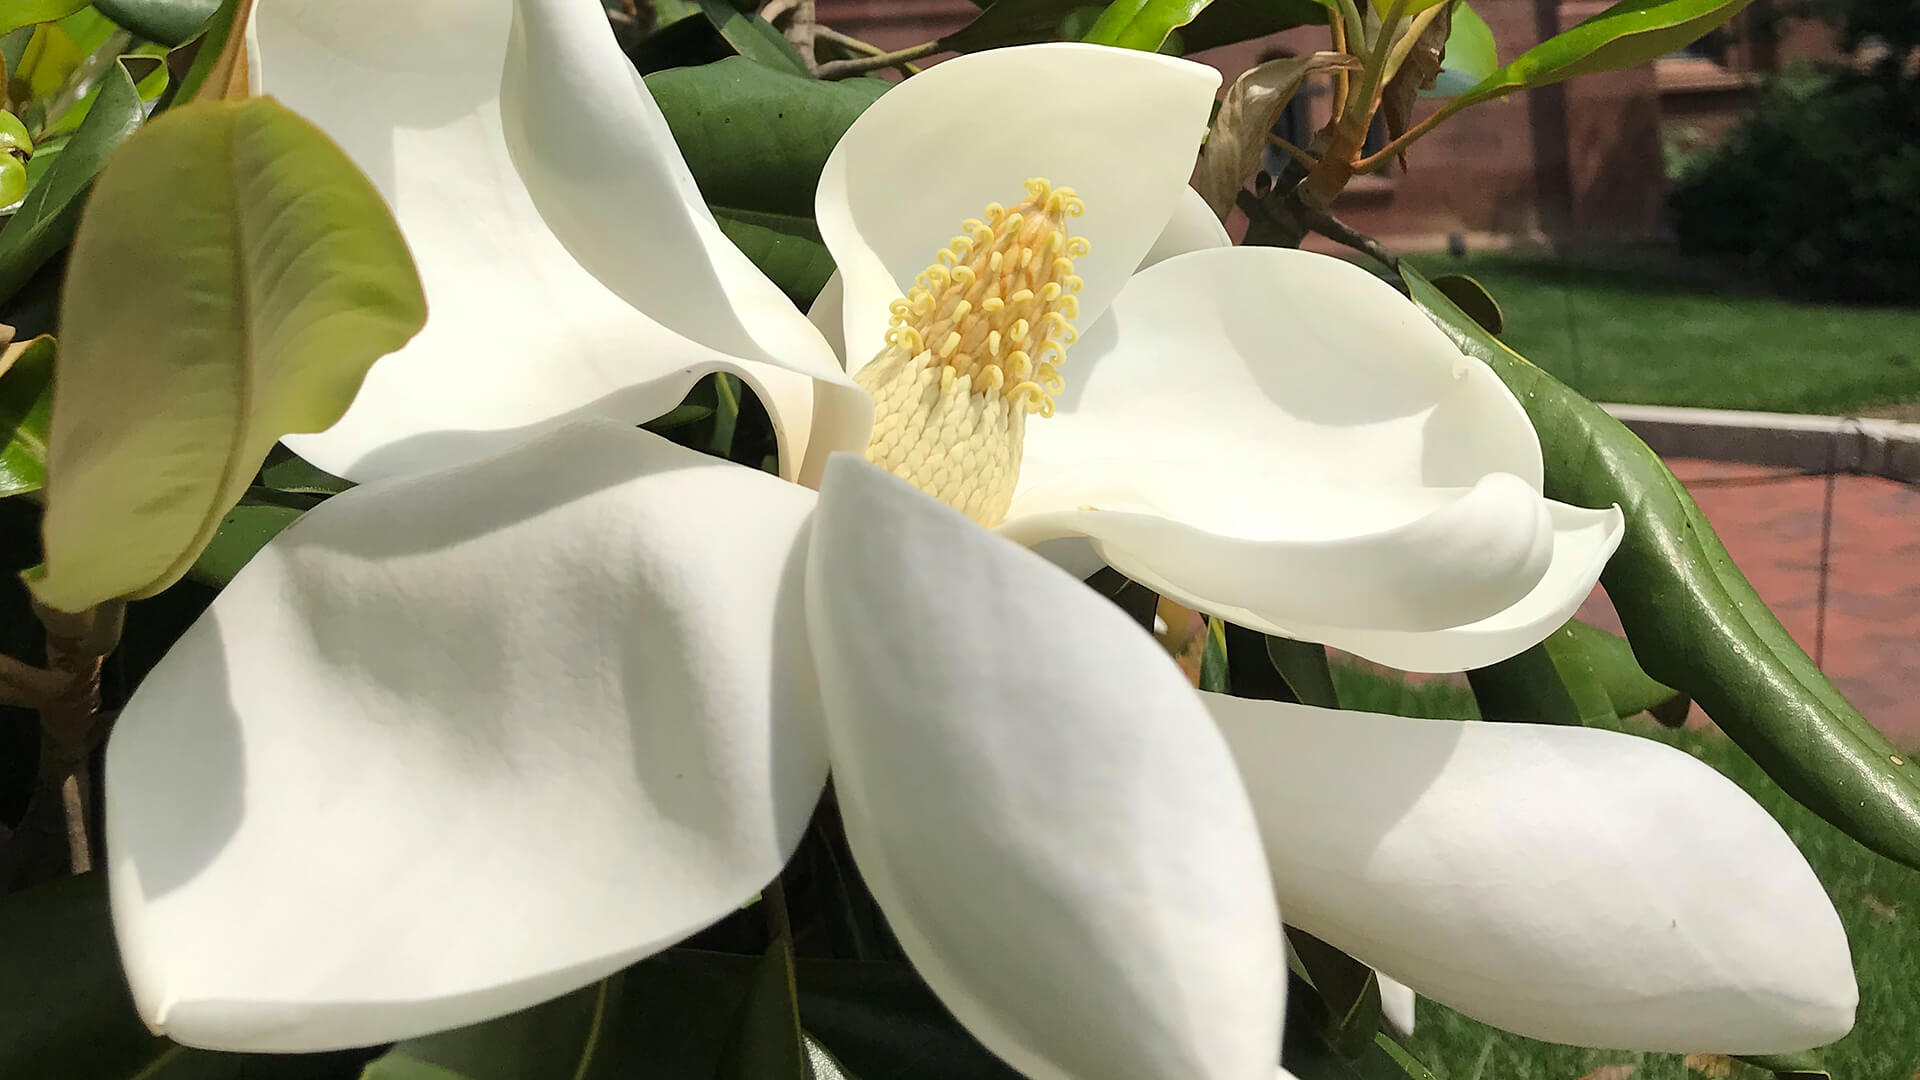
x=971 y=352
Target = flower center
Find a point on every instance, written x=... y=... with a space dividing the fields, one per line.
x=973 y=349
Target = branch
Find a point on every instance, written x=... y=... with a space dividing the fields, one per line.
x=1293 y=151
x=1340 y=232
x=840 y=69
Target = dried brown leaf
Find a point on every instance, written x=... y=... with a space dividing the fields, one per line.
x=1420 y=53
x=1252 y=106
x=1610 y=1072
x=1712 y=1066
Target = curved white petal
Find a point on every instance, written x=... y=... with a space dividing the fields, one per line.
x=1036 y=798
x=454 y=745
x=520 y=337
x=1280 y=438
x=1569 y=884
x=1191 y=228
x=1119 y=126
x=1396 y=1003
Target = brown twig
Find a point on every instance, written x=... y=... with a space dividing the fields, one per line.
x=1293 y=151
x=1340 y=232
x=860 y=65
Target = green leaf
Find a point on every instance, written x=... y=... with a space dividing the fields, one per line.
x=1399 y=1055
x=17 y=13
x=26 y=398
x=234 y=278
x=747 y=34
x=287 y=471
x=767 y=1043
x=1011 y=22
x=1215 y=676
x=1303 y=664
x=1591 y=656
x=883 y=1022
x=1143 y=24
x=556 y=1040
x=1525 y=689
x=68 y=1013
x=216 y=54
x=14 y=138
x=51 y=58
x=1349 y=989
x=167 y=22
x=1470 y=56
x=756 y=140
x=239 y=536
x=148 y=68
x=1625 y=35
x=45 y=221
x=1473 y=298
x=1226 y=22
x=1694 y=621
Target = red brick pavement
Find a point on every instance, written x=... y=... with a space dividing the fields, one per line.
x=1770 y=521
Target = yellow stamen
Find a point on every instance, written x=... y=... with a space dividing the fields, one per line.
x=949 y=413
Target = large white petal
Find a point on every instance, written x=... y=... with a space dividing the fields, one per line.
x=1569 y=884
x=1119 y=126
x=456 y=744
x=519 y=335
x=1041 y=806
x=1280 y=438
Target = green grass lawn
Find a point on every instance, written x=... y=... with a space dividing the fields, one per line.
x=1644 y=328
x=1878 y=901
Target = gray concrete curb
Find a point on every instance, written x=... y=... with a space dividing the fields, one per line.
x=1788 y=440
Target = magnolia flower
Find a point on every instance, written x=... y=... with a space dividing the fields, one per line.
x=547 y=693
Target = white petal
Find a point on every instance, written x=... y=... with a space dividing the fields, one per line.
x=520 y=337
x=1191 y=228
x=1119 y=126
x=1038 y=801
x=457 y=744
x=1280 y=438
x=1396 y=1003
x=1568 y=884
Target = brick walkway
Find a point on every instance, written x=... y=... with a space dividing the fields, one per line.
x=1770 y=521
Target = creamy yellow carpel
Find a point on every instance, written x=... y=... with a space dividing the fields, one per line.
x=974 y=348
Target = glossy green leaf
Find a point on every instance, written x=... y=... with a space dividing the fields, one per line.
x=1590 y=656
x=1143 y=24
x=45 y=221
x=756 y=140
x=1470 y=55
x=216 y=53
x=1525 y=689
x=148 y=68
x=747 y=34
x=234 y=278
x=767 y=1043
x=168 y=22
x=26 y=399
x=17 y=13
x=1473 y=298
x=1402 y=1058
x=1226 y=22
x=239 y=536
x=1695 y=622
x=1625 y=35
x=287 y=471
x=1349 y=989
x=557 y=1040
x=1303 y=664
x=1011 y=22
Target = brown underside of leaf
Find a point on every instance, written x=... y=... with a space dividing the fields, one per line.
x=1416 y=73
x=227 y=81
x=1252 y=106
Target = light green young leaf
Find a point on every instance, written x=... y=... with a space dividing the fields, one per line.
x=1590 y=656
x=26 y=397
x=50 y=59
x=15 y=14
x=1694 y=621
x=1215 y=674
x=234 y=278
x=1470 y=55
x=166 y=22
x=1627 y=34
x=756 y=140
x=1143 y=24
x=44 y=223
